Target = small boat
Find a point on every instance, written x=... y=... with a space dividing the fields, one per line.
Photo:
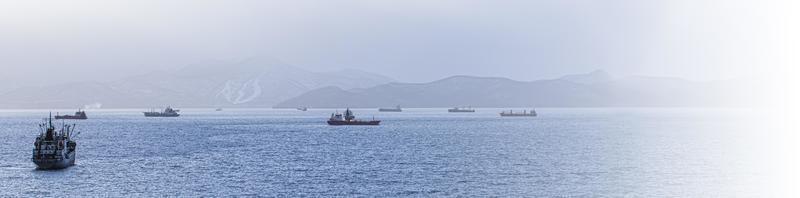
x=168 y=112
x=79 y=115
x=525 y=113
x=395 y=109
x=349 y=119
x=461 y=110
x=302 y=108
x=54 y=149
x=218 y=109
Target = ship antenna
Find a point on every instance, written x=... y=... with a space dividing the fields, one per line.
x=50 y=120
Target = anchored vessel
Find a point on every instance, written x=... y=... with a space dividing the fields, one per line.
x=218 y=109
x=79 y=115
x=168 y=112
x=395 y=109
x=524 y=113
x=461 y=110
x=302 y=108
x=54 y=149
x=349 y=119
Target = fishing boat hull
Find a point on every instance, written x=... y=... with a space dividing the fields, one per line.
x=54 y=158
x=50 y=164
x=342 y=122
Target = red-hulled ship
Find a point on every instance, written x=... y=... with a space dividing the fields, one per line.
x=349 y=119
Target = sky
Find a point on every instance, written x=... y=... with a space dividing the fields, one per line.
x=410 y=40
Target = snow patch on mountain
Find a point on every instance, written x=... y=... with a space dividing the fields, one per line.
x=240 y=92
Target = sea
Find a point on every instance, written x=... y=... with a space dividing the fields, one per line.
x=425 y=152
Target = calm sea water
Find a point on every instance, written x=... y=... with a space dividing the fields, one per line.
x=419 y=152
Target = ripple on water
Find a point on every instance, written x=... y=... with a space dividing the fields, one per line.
x=420 y=153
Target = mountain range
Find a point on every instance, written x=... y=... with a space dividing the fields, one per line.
x=249 y=83
x=595 y=89
x=271 y=83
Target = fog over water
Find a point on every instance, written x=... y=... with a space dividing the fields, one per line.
x=522 y=40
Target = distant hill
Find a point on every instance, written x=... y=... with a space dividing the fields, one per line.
x=595 y=89
x=251 y=83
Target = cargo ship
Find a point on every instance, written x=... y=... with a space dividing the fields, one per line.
x=54 y=149
x=461 y=110
x=395 y=109
x=168 y=112
x=525 y=113
x=79 y=115
x=349 y=119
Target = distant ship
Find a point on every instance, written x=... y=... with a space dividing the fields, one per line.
x=79 y=115
x=524 y=113
x=168 y=112
x=302 y=108
x=349 y=119
x=461 y=110
x=54 y=149
x=218 y=109
x=395 y=109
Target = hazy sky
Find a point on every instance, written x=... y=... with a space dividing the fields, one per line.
x=410 y=40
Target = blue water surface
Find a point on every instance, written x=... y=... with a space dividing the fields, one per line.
x=617 y=152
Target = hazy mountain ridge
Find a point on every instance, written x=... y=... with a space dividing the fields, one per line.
x=249 y=83
x=595 y=89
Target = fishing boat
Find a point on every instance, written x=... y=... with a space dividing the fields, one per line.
x=302 y=108
x=54 y=148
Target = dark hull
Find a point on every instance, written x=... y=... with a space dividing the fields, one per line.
x=68 y=117
x=518 y=115
x=49 y=164
x=156 y=114
x=337 y=123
